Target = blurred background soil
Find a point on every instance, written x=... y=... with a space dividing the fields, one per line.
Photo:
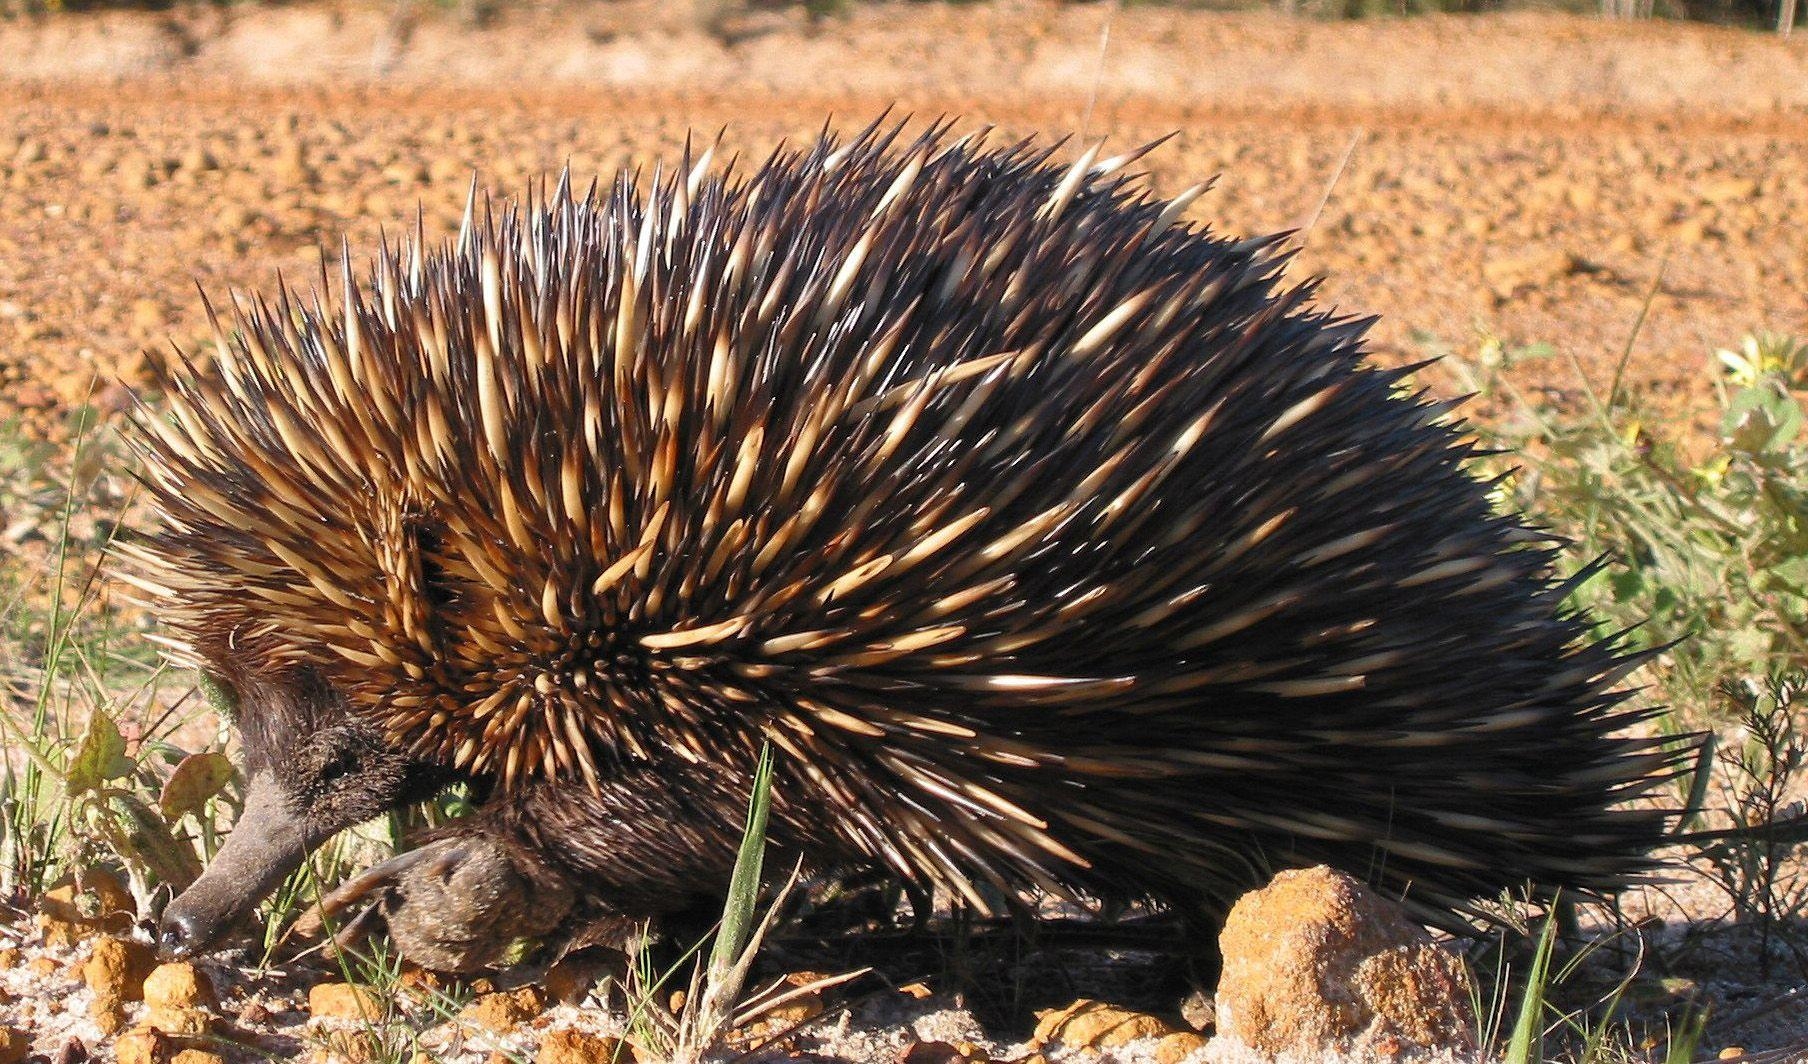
x=1537 y=176
x=1594 y=185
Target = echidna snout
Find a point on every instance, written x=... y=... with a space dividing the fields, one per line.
x=1049 y=542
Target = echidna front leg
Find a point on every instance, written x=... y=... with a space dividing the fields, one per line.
x=564 y=860
x=460 y=904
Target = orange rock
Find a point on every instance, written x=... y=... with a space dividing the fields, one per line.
x=1316 y=964
x=350 y=1047
x=144 y=1045
x=172 y=1019
x=571 y=980
x=799 y=1009
x=568 y=1045
x=1088 y=1024
x=108 y=1012
x=178 y=985
x=77 y=908
x=118 y=967
x=342 y=1001
x=421 y=982
x=1176 y=1047
x=504 y=1011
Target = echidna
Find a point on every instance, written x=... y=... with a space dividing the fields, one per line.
x=1049 y=541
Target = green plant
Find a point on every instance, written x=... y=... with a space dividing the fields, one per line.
x=713 y=1005
x=1755 y=861
x=1707 y=539
x=396 y=1015
x=93 y=773
x=1569 y=1004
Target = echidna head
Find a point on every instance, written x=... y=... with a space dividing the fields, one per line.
x=312 y=770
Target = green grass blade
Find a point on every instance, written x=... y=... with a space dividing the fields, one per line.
x=1526 y=1046
x=740 y=912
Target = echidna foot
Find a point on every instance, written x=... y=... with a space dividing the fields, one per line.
x=459 y=904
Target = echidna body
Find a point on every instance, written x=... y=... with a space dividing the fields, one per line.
x=1046 y=539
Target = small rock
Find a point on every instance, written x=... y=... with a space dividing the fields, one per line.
x=72 y=1051
x=1088 y=1024
x=503 y=1011
x=9 y=957
x=179 y=985
x=184 y=1021
x=197 y=1056
x=799 y=1009
x=1691 y=231
x=1729 y=189
x=14 y=1045
x=931 y=1053
x=42 y=967
x=143 y=1045
x=571 y=1046
x=1730 y=1053
x=108 y=1013
x=147 y=315
x=1509 y=275
x=30 y=153
x=350 y=1047
x=58 y=932
x=571 y=980
x=1315 y=964
x=422 y=983
x=253 y=1014
x=105 y=899
x=117 y=967
x=198 y=160
x=342 y=1001
x=1176 y=1047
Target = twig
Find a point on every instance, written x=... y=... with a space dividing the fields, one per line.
x=1305 y=231
x=1638 y=325
x=1098 y=67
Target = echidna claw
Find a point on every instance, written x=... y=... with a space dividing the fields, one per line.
x=458 y=904
x=369 y=884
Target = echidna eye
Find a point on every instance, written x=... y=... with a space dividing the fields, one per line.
x=335 y=769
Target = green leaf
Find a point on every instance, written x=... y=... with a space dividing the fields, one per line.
x=739 y=913
x=1526 y=1044
x=1761 y=419
x=197 y=778
x=143 y=838
x=100 y=756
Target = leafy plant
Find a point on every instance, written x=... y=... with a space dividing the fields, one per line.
x=1756 y=860
x=1708 y=539
x=92 y=773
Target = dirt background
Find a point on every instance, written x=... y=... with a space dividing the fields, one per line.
x=1539 y=177
x=1527 y=174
